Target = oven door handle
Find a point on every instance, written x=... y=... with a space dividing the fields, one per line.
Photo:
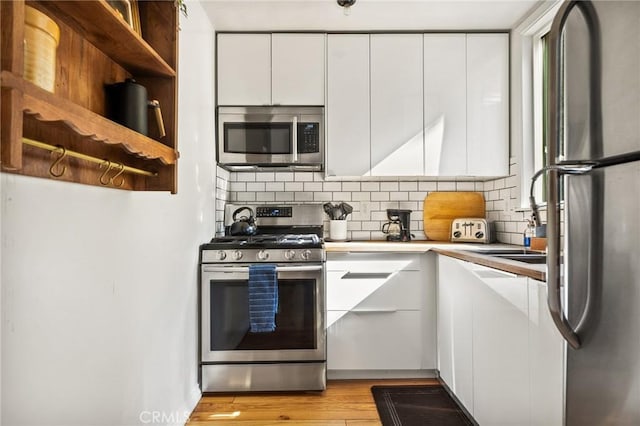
x=236 y=269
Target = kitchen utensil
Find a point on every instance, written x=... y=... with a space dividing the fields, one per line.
x=243 y=225
x=327 y=209
x=128 y=105
x=440 y=208
x=337 y=211
x=346 y=210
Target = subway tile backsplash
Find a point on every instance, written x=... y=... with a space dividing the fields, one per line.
x=370 y=199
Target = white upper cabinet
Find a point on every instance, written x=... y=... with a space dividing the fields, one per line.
x=244 y=69
x=266 y=69
x=487 y=104
x=397 y=104
x=348 y=120
x=298 y=69
x=466 y=101
x=397 y=146
x=445 y=104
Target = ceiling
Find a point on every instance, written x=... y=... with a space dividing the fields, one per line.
x=326 y=15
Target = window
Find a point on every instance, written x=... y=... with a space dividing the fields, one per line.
x=541 y=108
x=532 y=85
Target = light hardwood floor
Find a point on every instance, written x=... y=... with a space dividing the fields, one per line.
x=344 y=403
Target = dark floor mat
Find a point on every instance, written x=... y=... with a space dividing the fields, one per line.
x=417 y=406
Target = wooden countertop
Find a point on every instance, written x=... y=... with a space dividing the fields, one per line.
x=467 y=252
x=535 y=271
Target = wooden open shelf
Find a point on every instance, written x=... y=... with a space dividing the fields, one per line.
x=97 y=47
x=98 y=23
x=46 y=107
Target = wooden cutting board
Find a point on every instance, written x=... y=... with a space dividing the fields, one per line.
x=440 y=208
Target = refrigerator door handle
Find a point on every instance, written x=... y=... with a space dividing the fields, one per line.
x=554 y=298
x=554 y=287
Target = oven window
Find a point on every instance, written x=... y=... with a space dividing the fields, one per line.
x=295 y=318
x=257 y=138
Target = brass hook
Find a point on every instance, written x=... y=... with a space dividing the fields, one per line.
x=120 y=172
x=57 y=162
x=104 y=176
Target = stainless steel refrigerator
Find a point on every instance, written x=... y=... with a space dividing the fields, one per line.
x=594 y=207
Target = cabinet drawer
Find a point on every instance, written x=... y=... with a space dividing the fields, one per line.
x=375 y=340
x=348 y=290
x=373 y=262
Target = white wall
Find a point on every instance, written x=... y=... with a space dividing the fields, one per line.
x=99 y=285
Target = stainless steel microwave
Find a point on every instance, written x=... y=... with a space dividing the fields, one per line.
x=271 y=137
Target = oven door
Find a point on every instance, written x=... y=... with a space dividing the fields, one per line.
x=258 y=136
x=300 y=320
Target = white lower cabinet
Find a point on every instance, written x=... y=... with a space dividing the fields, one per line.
x=455 y=328
x=546 y=360
x=381 y=314
x=500 y=347
x=375 y=339
x=498 y=350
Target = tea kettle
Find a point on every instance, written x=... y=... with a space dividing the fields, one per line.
x=127 y=104
x=243 y=225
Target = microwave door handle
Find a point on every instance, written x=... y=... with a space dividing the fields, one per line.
x=295 y=138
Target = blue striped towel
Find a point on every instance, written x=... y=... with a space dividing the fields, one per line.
x=263 y=297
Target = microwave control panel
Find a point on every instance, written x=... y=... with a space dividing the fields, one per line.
x=308 y=138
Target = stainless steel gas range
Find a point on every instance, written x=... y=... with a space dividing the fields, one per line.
x=234 y=355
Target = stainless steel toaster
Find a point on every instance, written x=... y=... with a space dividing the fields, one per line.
x=471 y=230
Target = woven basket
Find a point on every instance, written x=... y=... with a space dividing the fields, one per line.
x=41 y=37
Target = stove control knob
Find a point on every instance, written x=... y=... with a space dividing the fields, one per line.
x=263 y=255
x=222 y=255
x=289 y=254
x=237 y=254
x=306 y=254
x=479 y=234
x=457 y=234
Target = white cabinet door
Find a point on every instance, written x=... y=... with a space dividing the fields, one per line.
x=298 y=69
x=488 y=104
x=244 y=69
x=348 y=120
x=445 y=105
x=455 y=322
x=396 y=105
x=546 y=360
x=375 y=340
x=500 y=347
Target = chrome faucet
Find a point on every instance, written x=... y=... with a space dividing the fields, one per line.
x=578 y=168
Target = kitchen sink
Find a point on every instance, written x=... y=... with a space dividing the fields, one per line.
x=518 y=254
x=505 y=251
x=536 y=258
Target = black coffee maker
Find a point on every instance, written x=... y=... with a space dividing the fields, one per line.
x=398 y=227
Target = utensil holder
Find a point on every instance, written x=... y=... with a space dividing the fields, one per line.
x=338 y=230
